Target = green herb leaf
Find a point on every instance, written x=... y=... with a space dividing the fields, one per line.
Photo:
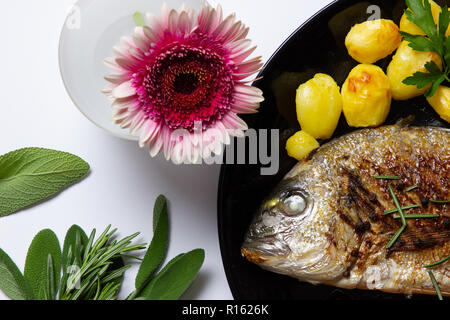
x=444 y=21
x=434 y=264
x=417 y=216
x=12 y=282
x=417 y=42
x=402 y=216
x=74 y=244
x=44 y=244
x=102 y=261
x=28 y=176
x=387 y=177
x=435 y=285
x=434 y=77
x=447 y=52
x=76 y=239
x=420 y=14
x=159 y=208
x=403 y=208
x=440 y=201
x=412 y=188
x=50 y=292
x=157 y=250
x=176 y=277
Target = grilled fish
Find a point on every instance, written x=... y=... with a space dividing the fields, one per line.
x=326 y=222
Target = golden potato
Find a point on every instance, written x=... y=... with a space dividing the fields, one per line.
x=319 y=106
x=371 y=41
x=441 y=102
x=366 y=96
x=412 y=28
x=300 y=145
x=404 y=64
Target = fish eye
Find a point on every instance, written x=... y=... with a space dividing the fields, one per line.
x=294 y=204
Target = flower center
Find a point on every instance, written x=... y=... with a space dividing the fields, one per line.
x=186 y=83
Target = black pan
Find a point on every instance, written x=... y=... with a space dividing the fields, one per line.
x=317 y=46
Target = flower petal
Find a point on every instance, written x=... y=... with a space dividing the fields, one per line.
x=245 y=108
x=248 y=90
x=149 y=132
x=232 y=32
x=232 y=121
x=128 y=64
x=239 y=56
x=112 y=64
x=151 y=35
x=252 y=65
x=125 y=90
x=184 y=23
x=156 y=146
x=140 y=39
x=224 y=26
x=173 y=21
x=116 y=78
x=137 y=123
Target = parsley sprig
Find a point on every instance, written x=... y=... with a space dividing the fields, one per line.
x=435 y=40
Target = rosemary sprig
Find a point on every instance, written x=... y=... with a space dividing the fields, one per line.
x=387 y=177
x=440 y=201
x=402 y=216
x=412 y=188
x=417 y=216
x=403 y=208
x=435 y=285
x=434 y=264
x=396 y=236
x=96 y=275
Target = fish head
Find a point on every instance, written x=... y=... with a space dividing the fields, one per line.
x=290 y=233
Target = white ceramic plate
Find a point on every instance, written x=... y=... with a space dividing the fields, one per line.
x=91 y=30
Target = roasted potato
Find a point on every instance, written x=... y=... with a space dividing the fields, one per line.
x=301 y=145
x=412 y=28
x=371 y=41
x=366 y=96
x=319 y=106
x=404 y=64
x=441 y=102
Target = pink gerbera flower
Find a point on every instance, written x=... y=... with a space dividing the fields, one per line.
x=181 y=81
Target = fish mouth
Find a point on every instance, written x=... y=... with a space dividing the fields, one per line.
x=264 y=249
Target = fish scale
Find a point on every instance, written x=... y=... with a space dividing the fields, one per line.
x=340 y=237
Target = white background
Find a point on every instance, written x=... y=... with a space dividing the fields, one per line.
x=124 y=182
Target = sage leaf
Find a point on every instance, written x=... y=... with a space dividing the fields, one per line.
x=31 y=175
x=74 y=244
x=50 y=293
x=12 y=282
x=158 y=247
x=178 y=275
x=44 y=244
x=145 y=292
x=76 y=239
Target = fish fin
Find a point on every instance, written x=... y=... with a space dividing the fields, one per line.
x=405 y=122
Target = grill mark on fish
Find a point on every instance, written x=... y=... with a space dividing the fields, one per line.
x=417 y=240
x=399 y=164
x=361 y=199
x=331 y=239
x=362 y=227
